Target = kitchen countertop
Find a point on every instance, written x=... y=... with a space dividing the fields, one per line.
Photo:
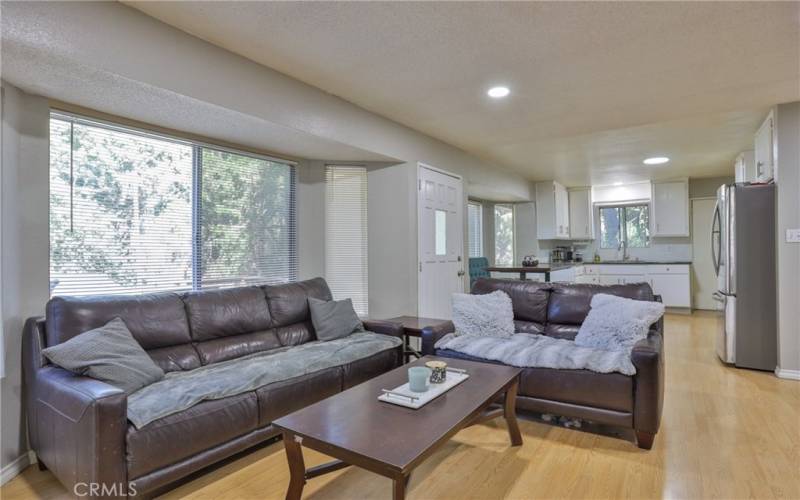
x=556 y=266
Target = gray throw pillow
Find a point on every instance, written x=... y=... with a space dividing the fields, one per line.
x=109 y=353
x=617 y=323
x=486 y=315
x=334 y=319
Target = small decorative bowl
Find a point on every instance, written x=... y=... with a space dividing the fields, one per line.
x=438 y=371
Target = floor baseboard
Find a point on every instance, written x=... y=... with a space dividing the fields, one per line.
x=11 y=470
x=787 y=374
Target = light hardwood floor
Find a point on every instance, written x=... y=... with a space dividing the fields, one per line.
x=726 y=433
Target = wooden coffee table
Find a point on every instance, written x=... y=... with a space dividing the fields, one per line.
x=391 y=440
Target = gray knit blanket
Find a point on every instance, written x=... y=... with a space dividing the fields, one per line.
x=178 y=391
x=525 y=350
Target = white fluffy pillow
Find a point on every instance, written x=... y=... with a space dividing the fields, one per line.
x=488 y=315
x=616 y=323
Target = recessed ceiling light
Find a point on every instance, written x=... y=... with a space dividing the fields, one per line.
x=656 y=160
x=617 y=183
x=498 y=92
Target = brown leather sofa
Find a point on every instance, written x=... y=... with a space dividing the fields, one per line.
x=557 y=310
x=78 y=425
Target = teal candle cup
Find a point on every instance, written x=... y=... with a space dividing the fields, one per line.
x=418 y=378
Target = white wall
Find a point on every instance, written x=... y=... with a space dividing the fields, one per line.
x=787 y=180
x=25 y=239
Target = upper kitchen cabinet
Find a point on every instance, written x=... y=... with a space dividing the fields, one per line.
x=745 y=167
x=764 y=152
x=552 y=211
x=581 y=222
x=670 y=213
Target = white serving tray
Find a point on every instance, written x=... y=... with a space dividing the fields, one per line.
x=423 y=398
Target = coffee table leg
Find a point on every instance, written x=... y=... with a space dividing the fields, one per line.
x=399 y=487
x=510 y=413
x=297 y=466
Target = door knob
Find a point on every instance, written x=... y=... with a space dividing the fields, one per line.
x=461 y=273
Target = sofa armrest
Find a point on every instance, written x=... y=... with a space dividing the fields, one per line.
x=384 y=327
x=648 y=398
x=79 y=423
x=432 y=334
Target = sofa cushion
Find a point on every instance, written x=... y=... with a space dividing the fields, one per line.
x=236 y=346
x=222 y=313
x=528 y=298
x=361 y=370
x=569 y=304
x=175 y=437
x=528 y=327
x=281 y=398
x=559 y=331
x=296 y=334
x=154 y=319
x=612 y=391
x=288 y=303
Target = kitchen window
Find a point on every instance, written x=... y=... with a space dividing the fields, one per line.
x=475 y=229
x=627 y=225
x=504 y=235
x=134 y=212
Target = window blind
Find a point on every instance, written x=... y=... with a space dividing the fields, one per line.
x=346 y=234
x=475 y=229
x=247 y=214
x=129 y=213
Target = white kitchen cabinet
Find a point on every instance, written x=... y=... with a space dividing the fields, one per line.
x=552 y=211
x=673 y=283
x=581 y=225
x=745 y=167
x=670 y=208
x=563 y=275
x=764 y=150
x=622 y=279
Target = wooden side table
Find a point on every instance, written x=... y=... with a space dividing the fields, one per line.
x=413 y=326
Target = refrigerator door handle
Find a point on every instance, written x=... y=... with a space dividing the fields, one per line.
x=716 y=236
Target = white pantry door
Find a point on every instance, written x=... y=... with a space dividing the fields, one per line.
x=441 y=241
x=704 y=279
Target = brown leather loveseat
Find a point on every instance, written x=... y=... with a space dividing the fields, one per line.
x=78 y=426
x=557 y=310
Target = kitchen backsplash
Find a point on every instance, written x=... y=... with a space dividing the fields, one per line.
x=660 y=249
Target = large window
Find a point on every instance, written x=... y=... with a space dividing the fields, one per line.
x=346 y=234
x=624 y=225
x=504 y=235
x=475 y=229
x=134 y=212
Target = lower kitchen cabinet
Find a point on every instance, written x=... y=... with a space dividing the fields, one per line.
x=675 y=289
x=671 y=281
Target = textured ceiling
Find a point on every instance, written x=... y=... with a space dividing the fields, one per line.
x=595 y=87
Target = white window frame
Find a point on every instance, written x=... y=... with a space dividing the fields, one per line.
x=511 y=206
x=197 y=146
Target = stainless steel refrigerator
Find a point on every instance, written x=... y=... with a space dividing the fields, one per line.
x=743 y=253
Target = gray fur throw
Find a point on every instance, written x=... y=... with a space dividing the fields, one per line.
x=181 y=390
x=525 y=350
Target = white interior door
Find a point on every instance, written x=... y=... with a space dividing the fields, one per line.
x=704 y=280
x=441 y=241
